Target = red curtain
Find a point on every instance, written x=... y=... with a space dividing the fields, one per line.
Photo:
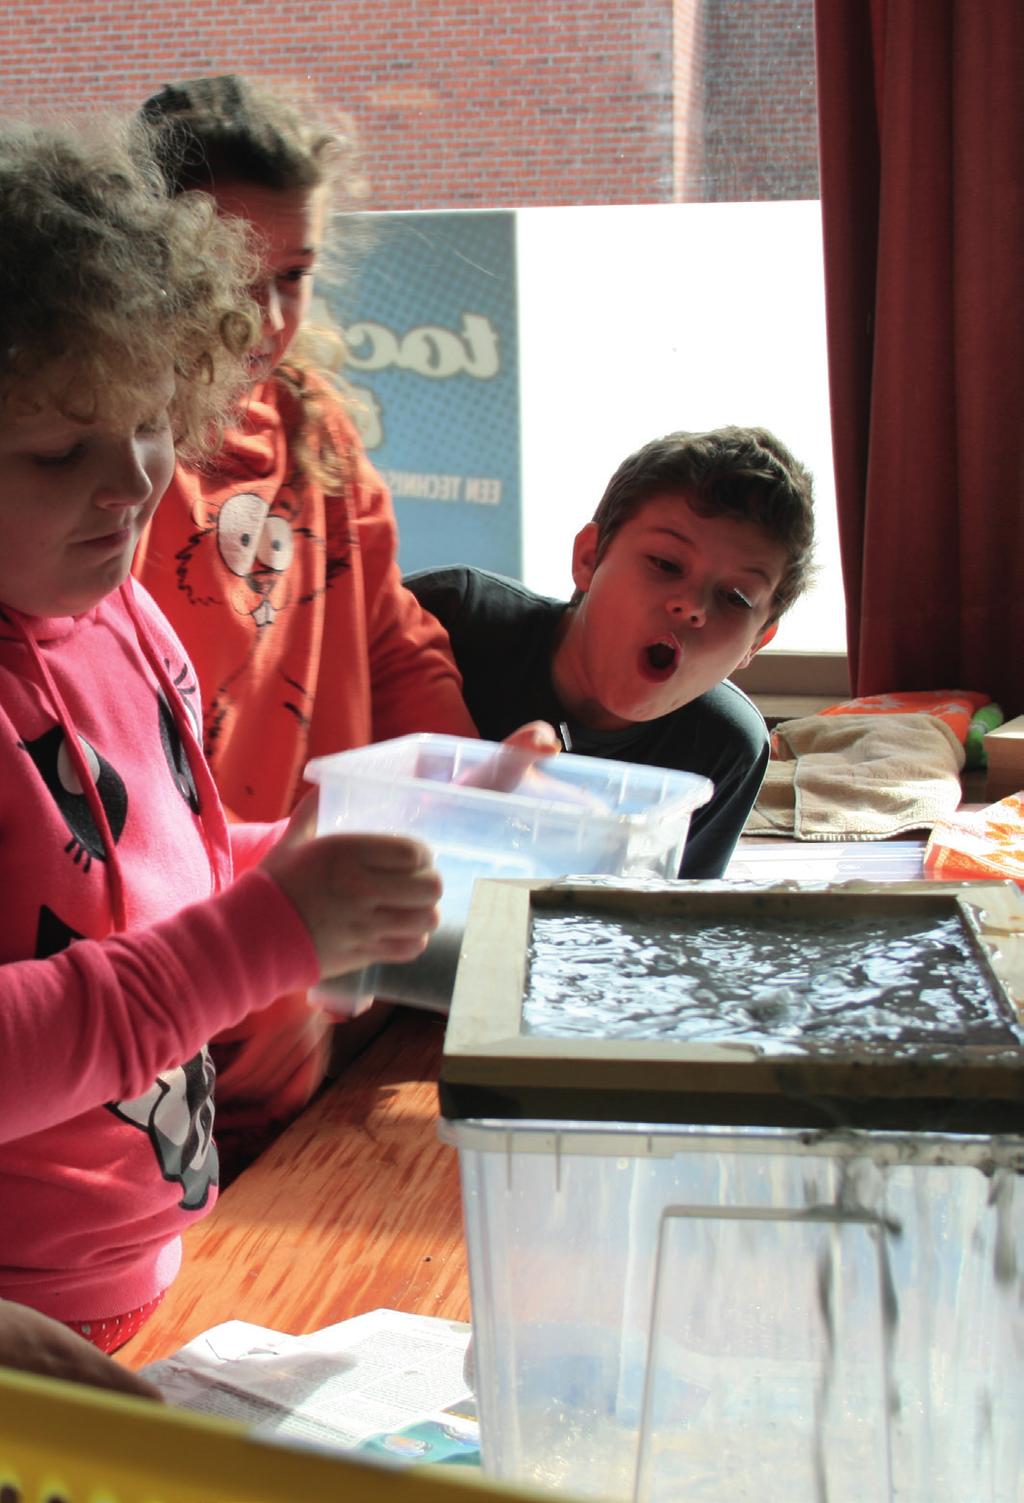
x=921 y=156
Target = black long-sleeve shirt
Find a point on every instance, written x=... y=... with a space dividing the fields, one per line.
x=504 y=636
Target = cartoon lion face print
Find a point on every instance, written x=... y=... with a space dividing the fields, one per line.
x=243 y=557
x=257 y=547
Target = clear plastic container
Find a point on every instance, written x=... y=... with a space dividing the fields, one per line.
x=664 y=1314
x=488 y=811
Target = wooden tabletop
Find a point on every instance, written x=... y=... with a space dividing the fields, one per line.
x=355 y=1207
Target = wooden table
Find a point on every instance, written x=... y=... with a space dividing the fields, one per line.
x=355 y=1207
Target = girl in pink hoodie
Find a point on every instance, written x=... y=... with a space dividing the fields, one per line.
x=136 y=921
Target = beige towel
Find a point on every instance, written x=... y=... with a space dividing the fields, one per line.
x=858 y=777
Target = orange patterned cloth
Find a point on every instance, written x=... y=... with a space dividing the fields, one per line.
x=986 y=845
x=954 y=706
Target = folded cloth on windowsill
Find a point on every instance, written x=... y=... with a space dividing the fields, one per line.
x=987 y=843
x=858 y=777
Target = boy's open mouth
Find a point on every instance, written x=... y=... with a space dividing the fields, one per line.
x=658 y=659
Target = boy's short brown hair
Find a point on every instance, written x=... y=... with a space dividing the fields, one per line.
x=743 y=473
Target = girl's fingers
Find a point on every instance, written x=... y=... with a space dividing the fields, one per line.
x=394 y=950
x=389 y=853
x=416 y=918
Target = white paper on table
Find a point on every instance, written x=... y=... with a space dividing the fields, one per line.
x=769 y=860
x=336 y=1387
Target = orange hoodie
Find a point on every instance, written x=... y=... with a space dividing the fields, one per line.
x=291 y=604
x=305 y=642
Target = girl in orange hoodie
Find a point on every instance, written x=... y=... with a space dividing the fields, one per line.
x=277 y=562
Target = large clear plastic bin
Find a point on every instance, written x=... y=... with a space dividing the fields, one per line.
x=684 y=1315
x=488 y=811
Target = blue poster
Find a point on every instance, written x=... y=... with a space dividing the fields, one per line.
x=432 y=341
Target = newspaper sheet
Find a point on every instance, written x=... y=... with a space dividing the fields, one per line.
x=383 y=1383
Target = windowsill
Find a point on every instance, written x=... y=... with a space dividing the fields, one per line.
x=796 y=676
x=778 y=707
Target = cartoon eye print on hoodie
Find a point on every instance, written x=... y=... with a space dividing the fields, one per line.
x=176 y=1114
x=50 y=754
x=188 y=692
x=171 y=738
x=256 y=547
x=52 y=933
x=177 y=757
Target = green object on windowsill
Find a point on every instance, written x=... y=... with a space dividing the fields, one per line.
x=982 y=721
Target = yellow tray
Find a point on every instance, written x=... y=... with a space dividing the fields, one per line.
x=64 y=1443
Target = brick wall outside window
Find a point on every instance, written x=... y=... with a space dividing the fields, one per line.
x=470 y=105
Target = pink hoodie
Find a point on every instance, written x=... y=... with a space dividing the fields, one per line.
x=125 y=943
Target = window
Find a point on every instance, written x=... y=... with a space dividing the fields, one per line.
x=661 y=159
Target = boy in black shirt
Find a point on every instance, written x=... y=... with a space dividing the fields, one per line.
x=700 y=543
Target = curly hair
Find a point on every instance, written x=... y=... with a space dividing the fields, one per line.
x=223 y=130
x=105 y=278
x=746 y=474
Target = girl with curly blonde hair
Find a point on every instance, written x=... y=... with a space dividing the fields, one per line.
x=136 y=923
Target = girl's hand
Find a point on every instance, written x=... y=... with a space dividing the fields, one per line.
x=302 y=822
x=364 y=898
x=33 y=1343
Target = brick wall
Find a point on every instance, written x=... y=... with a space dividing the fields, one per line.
x=499 y=102
x=760 y=137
